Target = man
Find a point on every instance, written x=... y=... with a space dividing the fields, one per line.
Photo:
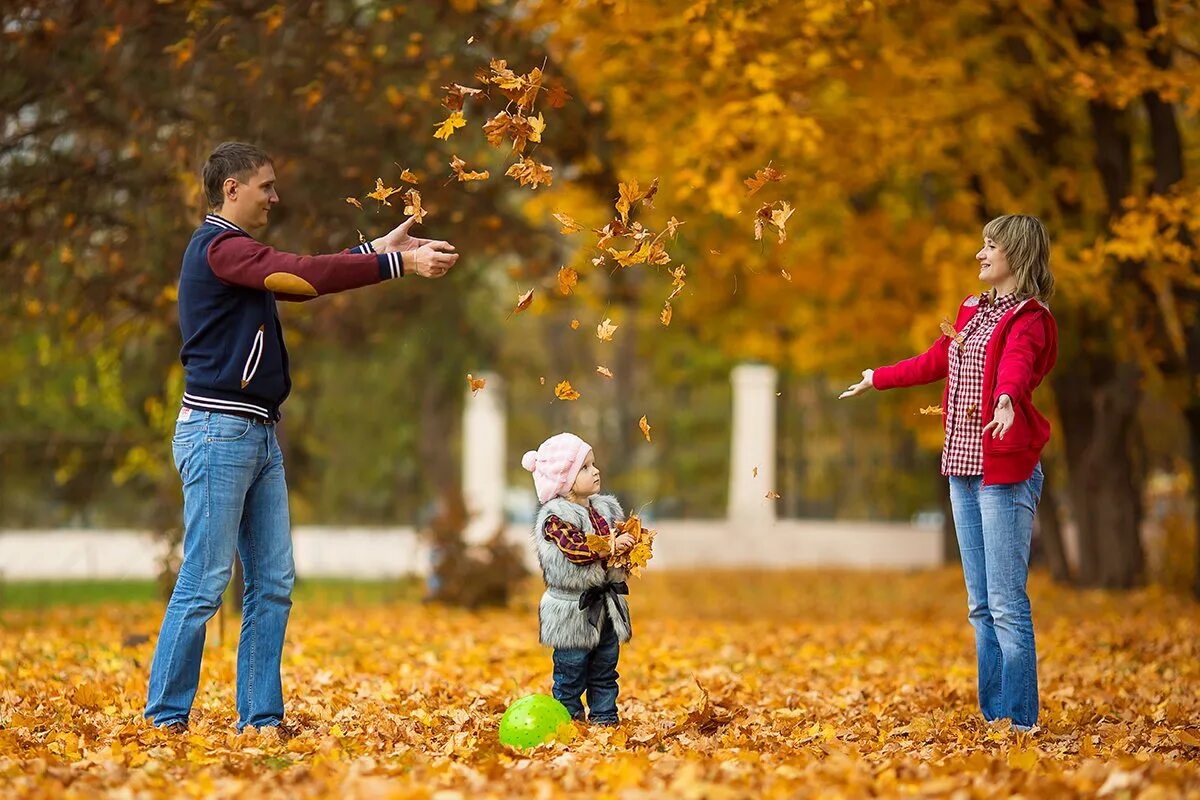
x=225 y=445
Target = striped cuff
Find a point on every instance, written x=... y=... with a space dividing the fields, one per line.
x=363 y=249
x=391 y=265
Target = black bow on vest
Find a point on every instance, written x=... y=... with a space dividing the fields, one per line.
x=593 y=599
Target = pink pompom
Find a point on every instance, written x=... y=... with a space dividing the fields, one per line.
x=529 y=460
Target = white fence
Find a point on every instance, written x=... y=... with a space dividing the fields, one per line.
x=391 y=552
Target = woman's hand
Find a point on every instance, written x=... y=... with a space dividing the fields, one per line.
x=1002 y=420
x=866 y=383
x=623 y=544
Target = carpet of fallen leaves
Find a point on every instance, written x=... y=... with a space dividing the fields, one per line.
x=818 y=685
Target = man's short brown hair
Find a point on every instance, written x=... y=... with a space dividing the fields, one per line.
x=230 y=160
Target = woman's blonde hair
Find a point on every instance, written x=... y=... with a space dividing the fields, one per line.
x=1026 y=246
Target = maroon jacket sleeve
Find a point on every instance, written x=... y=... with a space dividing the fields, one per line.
x=243 y=261
x=1017 y=374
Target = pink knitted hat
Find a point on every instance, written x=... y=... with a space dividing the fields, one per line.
x=556 y=464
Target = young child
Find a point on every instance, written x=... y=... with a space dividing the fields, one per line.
x=583 y=614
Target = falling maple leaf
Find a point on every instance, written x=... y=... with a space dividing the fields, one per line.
x=567 y=224
x=605 y=371
x=754 y=472
x=412 y=205
x=564 y=391
x=447 y=127
x=456 y=94
x=931 y=411
x=772 y=495
x=948 y=330
x=459 y=168
x=354 y=202
x=407 y=175
x=475 y=384
x=673 y=226
x=574 y=324
x=665 y=316
x=645 y=427
x=786 y=275
x=523 y=302
x=537 y=126
x=557 y=96
x=567 y=278
x=382 y=193
x=775 y=214
x=678 y=281
x=530 y=173
x=761 y=178
x=628 y=194
x=605 y=330
x=497 y=128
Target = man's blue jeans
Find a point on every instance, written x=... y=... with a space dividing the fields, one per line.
x=995 y=527
x=593 y=671
x=234 y=496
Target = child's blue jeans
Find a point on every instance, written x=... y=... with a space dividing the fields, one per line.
x=593 y=671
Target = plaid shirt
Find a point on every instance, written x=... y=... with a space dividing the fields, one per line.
x=962 y=453
x=571 y=540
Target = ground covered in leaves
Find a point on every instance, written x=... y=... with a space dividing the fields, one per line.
x=818 y=684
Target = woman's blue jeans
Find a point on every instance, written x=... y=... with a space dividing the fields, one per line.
x=995 y=527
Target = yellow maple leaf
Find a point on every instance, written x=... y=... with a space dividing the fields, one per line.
x=567 y=278
x=772 y=495
x=354 y=202
x=635 y=559
x=574 y=324
x=645 y=427
x=446 y=128
x=460 y=169
x=382 y=193
x=523 y=302
x=537 y=127
x=412 y=205
x=530 y=173
x=567 y=224
x=600 y=545
x=475 y=384
x=665 y=316
x=605 y=371
x=761 y=178
x=408 y=176
x=605 y=330
x=564 y=391
x=931 y=411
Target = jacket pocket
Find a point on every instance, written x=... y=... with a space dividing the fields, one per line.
x=254 y=358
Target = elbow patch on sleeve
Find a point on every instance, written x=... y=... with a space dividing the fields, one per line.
x=287 y=283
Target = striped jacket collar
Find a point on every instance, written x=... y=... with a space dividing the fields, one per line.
x=221 y=222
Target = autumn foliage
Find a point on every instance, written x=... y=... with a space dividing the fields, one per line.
x=735 y=685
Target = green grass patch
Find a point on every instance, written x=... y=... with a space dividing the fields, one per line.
x=318 y=591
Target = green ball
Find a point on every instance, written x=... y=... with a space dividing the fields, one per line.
x=532 y=720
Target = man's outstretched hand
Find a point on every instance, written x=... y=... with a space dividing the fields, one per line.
x=432 y=260
x=429 y=258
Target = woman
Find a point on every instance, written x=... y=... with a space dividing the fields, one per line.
x=1002 y=344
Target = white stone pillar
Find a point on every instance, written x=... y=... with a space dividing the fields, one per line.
x=752 y=451
x=483 y=454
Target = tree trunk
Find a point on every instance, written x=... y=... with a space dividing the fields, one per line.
x=1098 y=404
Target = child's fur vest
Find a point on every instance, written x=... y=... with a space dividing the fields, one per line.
x=563 y=624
